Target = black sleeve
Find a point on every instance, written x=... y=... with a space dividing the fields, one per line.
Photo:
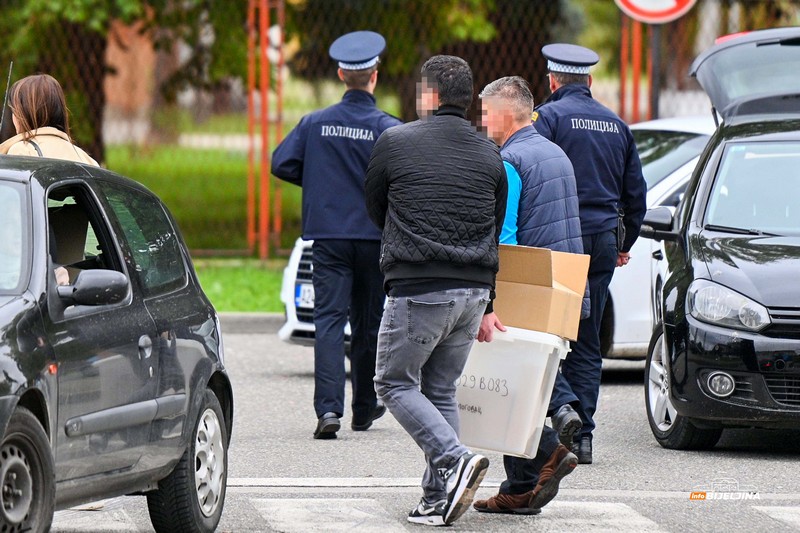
x=634 y=196
x=500 y=198
x=376 y=185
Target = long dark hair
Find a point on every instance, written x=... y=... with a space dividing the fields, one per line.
x=38 y=101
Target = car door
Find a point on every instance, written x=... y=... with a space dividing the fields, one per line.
x=181 y=314
x=105 y=374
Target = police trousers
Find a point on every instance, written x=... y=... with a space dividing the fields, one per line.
x=579 y=379
x=348 y=284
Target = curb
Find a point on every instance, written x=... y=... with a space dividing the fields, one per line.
x=251 y=323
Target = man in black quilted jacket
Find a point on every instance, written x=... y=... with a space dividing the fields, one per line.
x=437 y=189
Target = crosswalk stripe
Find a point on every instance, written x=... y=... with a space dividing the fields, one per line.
x=788 y=515
x=299 y=515
x=594 y=516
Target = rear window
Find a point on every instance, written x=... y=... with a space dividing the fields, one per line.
x=757 y=188
x=14 y=248
x=664 y=152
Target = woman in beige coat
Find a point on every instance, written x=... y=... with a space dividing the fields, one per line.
x=40 y=115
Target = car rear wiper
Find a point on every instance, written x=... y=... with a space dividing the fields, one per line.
x=740 y=231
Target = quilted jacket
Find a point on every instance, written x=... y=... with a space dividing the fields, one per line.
x=437 y=189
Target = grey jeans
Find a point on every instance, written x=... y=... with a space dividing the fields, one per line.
x=423 y=344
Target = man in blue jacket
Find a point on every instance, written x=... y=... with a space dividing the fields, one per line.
x=611 y=187
x=542 y=211
x=327 y=155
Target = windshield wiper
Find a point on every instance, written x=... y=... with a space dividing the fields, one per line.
x=740 y=231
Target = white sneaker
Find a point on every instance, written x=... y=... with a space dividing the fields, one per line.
x=461 y=483
x=429 y=514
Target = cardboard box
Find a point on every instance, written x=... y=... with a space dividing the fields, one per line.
x=504 y=391
x=541 y=290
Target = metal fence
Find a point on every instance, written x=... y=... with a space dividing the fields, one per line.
x=190 y=144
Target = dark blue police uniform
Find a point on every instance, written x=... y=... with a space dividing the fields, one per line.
x=327 y=155
x=609 y=178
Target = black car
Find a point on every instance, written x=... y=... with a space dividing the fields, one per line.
x=112 y=379
x=728 y=351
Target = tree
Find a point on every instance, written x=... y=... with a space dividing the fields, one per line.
x=68 y=39
x=497 y=37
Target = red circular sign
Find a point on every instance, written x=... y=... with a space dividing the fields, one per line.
x=655 y=11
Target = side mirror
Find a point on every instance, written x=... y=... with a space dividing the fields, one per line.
x=95 y=287
x=657 y=224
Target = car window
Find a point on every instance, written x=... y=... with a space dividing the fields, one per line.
x=757 y=187
x=77 y=238
x=151 y=238
x=13 y=238
x=664 y=152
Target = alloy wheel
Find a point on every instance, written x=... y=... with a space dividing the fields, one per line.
x=662 y=411
x=209 y=462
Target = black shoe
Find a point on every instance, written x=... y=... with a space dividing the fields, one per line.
x=583 y=449
x=567 y=423
x=363 y=425
x=327 y=426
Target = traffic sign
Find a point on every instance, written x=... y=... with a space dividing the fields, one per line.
x=655 y=11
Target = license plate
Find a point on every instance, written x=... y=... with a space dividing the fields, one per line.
x=304 y=295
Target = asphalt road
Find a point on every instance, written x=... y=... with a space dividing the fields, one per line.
x=280 y=479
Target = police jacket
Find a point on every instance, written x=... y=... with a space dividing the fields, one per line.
x=438 y=190
x=327 y=155
x=600 y=145
x=542 y=208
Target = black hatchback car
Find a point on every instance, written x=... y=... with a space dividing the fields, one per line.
x=113 y=379
x=728 y=351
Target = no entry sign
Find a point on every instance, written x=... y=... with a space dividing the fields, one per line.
x=655 y=11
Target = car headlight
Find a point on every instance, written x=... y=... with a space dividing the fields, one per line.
x=716 y=304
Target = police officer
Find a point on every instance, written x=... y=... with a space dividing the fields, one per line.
x=327 y=155
x=611 y=195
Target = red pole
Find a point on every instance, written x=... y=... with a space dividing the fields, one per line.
x=263 y=230
x=277 y=222
x=623 y=65
x=637 y=68
x=649 y=66
x=251 y=119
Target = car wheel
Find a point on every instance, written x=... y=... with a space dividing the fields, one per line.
x=670 y=429
x=191 y=498
x=27 y=478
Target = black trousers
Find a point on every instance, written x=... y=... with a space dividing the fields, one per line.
x=348 y=284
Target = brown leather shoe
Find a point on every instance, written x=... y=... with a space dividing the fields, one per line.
x=507 y=504
x=560 y=464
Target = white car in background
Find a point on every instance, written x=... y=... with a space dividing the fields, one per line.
x=669 y=149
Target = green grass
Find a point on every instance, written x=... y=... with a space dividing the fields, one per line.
x=242 y=285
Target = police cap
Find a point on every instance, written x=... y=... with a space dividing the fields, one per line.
x=357 y=50
x=569 y=58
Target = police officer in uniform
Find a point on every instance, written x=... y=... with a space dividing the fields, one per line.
x=327 y=155
x=612 y=199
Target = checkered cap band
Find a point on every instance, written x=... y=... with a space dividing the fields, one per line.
x=358 y=66
x=552 y=66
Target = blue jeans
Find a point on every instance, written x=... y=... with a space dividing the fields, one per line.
x=423 y=346
x=347 y=284
x=582 y=369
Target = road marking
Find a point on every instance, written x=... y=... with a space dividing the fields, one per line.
x=295 y=515
x=105 y=515
x=594 y=516
x=414 y=483
x=788 y=515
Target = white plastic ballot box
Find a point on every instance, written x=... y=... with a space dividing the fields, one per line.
x=505 y=389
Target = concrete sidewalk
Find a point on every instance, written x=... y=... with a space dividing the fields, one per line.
x=251 y=323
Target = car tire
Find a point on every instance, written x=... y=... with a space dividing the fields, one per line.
x=27 y=475
x=670 y=429
x=191 y=497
